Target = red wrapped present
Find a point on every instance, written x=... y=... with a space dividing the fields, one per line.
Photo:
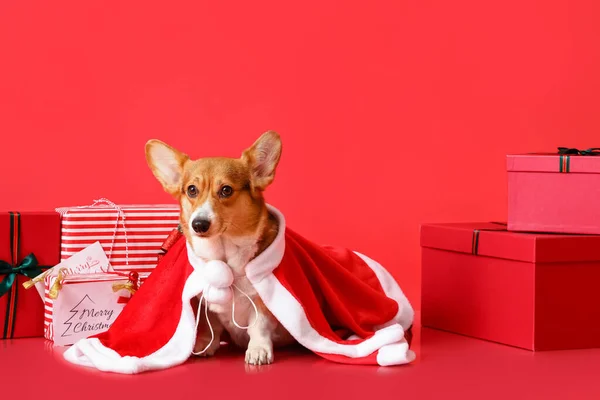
x=554 y=192
x=131 y=235
x=29 y=244
x=534 y=291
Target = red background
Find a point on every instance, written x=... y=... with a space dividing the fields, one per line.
x=392 y=112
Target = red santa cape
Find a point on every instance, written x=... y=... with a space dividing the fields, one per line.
x=335 y=302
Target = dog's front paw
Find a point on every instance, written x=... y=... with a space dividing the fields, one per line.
x=201 y=344
x=259 y=355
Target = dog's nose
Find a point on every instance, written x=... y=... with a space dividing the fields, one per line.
x=200 y=225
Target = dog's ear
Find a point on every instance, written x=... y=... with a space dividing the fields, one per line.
x=166 y=164
x=262 y=159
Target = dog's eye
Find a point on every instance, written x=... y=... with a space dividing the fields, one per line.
x=192 y=191
x=226 y=191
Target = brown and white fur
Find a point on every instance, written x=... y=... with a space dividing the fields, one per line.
x=224 y=217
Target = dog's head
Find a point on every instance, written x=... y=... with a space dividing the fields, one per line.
x=217 y=195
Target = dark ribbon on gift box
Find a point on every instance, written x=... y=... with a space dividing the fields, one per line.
x=566 y=153
x=28 y=267
x=475 y=240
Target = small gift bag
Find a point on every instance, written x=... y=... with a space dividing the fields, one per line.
x=86 y=304
x=83 y=295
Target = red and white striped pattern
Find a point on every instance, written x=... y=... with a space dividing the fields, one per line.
x=48 y=308
x=138 y=243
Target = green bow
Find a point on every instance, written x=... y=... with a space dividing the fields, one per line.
x=28 y=267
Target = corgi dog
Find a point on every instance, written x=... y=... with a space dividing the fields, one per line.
x=224 y=217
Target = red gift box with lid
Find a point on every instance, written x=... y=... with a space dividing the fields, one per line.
x=554 y=192
x=29 y=243
x=534 y=291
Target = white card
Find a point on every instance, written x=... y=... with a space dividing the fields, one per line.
x=90 y=260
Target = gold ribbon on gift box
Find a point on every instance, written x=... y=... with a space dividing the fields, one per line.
x=57 y=285
x=131 y=285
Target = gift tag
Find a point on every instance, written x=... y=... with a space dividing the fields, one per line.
x=90 y=260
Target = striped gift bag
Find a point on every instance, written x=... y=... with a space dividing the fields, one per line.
x=106 y=290
x=131 y=235
x=48 y=308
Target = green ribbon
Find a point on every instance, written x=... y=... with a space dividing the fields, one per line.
x=566 y=151
x=28 y=267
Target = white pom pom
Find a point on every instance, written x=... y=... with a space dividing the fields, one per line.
x=218 y=295
x=218 y=274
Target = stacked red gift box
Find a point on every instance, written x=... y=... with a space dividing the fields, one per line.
x=133 y=238
x=532 y=283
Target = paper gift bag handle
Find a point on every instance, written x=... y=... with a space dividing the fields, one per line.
x=131 y=286
x=57 y=285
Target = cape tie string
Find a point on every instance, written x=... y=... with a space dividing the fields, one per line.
x=212 y=332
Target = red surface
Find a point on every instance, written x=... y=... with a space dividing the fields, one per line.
x=384 y=107
x=447 y=366
x=40 y=234
x=554 y=202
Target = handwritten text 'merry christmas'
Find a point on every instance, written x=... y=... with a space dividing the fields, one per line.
x=92 y=313
x=88 y=319
x=89 y=265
